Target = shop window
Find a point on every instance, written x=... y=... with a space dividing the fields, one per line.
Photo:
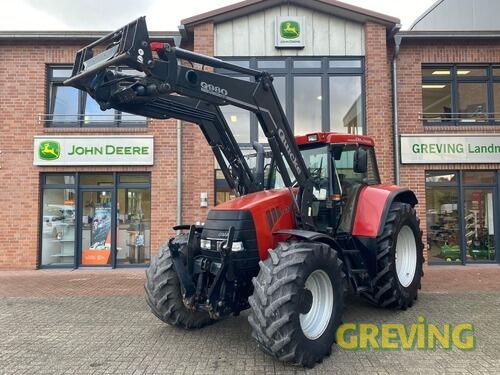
x=346 y=105
x=479 y=224
x=461 y=216
x=104 y=220
x=67 y=106
x=58 y=227
x=479 y=177
x=443 y=229
x=307 y=104
x=134 y=226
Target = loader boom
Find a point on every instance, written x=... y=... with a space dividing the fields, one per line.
x=167 y=81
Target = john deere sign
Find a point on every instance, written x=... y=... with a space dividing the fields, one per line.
x=432 y=148
x=93 y=150
x=289 y=32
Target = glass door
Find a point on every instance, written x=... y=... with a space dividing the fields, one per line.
x=479 y=217
x=96 y=223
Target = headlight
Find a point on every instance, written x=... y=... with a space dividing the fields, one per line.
x=205 y=244
x=238 y=246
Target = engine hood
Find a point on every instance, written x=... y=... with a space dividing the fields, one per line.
x=264 y=199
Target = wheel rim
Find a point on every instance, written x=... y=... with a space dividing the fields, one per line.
x=406 y=256
x=315 y=321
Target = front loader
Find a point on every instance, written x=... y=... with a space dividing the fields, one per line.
x=301 y=230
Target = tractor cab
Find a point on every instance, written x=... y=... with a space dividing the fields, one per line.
x=339 y=165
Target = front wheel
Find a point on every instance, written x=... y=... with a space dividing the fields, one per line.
x=399 y=259
x=298 y=302
x=163 y=291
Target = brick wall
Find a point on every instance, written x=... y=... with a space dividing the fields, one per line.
x=411 y=58
x=379 y=98
x=22 y=98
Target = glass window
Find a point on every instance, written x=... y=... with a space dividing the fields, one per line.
x=307 y=64
x=479 y=177
x=238 y=120
x=96 y=179
x=496 y=101
x=441 y=176
x=344 y=163
x=271 y=64
x=93 y=113
x=135 y=178
x=223 y=192
x=61 y=73
x=479 y=224
x=346 y=104
x=438 y=72
x=436 y=99
x=307 y=104
x=133 y=236
x=345 y=64
x=64 y=106
x=59 y=179
x=472 y=101
x=443 y=229
x=58 y=227
x=470 y=72
x=68 y=106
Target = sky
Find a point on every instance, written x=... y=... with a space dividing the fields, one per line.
x=163 y=15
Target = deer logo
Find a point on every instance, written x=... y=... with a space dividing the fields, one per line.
x=49 y=150
x=290 y=29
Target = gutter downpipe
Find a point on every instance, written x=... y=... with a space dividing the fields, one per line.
x=178 y=218
x=397 y=42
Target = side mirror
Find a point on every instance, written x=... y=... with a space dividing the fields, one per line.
x=360 y=161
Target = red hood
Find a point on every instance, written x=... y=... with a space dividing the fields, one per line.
x=260 y=198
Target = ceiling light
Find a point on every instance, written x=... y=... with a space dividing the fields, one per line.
x=433 y=86
x=441 y=73
x=319 y=97
x=234 y=118
x=463 y=72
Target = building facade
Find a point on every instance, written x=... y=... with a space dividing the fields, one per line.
x=82 y=187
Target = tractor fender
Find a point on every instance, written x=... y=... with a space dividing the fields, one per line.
x=310 y=236
x=373 y=206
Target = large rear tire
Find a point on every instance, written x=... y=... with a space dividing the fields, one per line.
x=163 y=291
x=298 y=302
x=399 y=259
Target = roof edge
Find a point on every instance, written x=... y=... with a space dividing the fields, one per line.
x=423 y=15
x=256 y=5
x=446 y=34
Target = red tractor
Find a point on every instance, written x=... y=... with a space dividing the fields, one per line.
x=307 y=224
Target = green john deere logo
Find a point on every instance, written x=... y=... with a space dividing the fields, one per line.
x=289 y=29
x=49 y=150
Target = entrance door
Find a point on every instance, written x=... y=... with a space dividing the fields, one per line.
x=96 y=223
x=480 y=222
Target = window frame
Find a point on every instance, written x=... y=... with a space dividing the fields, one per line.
x=289 y=72
x=49 y=122
x=454 y=80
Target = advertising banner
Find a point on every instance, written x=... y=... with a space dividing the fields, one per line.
x=456 y=148
x=289 y=31
x=93 y=150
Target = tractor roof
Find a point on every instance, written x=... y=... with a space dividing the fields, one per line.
x=333 y=137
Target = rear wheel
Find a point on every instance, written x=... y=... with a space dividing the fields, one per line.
x=163 y=291
x=399 y=259
x=298 y=302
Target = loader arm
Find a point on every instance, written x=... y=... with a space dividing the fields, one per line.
x=165 y=76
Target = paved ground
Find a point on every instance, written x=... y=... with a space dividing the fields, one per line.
x=96 y=322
